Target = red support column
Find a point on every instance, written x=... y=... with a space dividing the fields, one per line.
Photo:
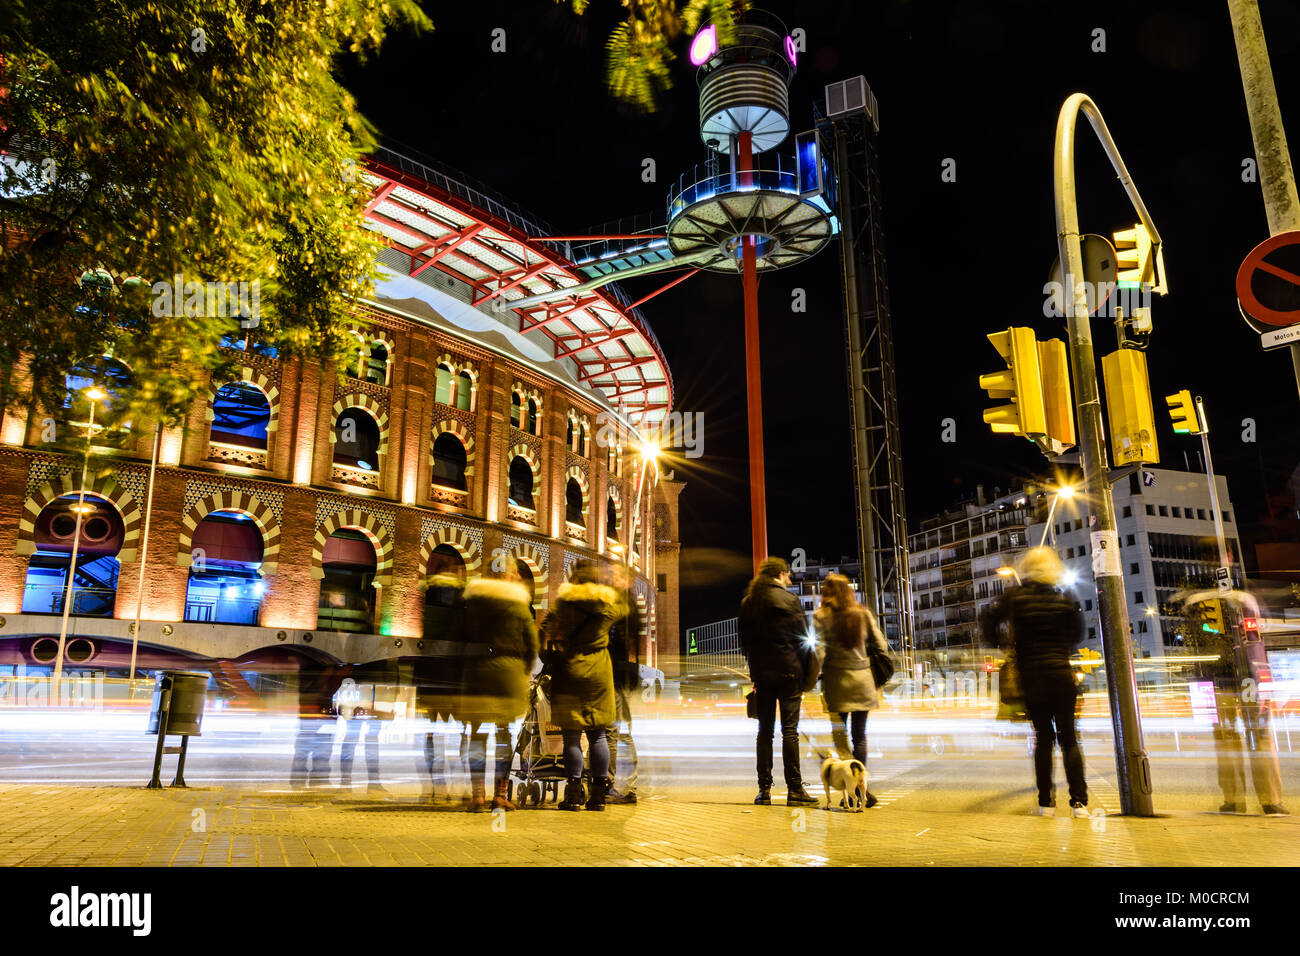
x=753 y=370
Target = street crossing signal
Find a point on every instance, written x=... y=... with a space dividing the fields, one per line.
x=1057 y=403
x=1021 y=382
x=1134 y=257
x=1183 y=411
x=1090 y=660
x=1212 y=619
x=1128 y=404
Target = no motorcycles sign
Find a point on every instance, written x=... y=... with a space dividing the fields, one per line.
x=1268 y=289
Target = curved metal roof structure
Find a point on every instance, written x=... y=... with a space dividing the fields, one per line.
x=438 y=221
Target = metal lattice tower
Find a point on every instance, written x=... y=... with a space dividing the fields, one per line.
x=851 y=125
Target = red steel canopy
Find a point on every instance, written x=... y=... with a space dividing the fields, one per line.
x=442 y=223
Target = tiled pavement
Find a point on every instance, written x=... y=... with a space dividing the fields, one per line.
x=921 y=826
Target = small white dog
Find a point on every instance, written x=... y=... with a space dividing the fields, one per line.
x=849 y=776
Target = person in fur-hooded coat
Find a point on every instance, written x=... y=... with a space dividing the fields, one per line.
x=582 y=677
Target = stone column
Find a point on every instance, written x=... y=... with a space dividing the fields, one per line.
x=492 y=468
x=403 y=611
x=165 y=582
x=292 y=594
x=13 y=494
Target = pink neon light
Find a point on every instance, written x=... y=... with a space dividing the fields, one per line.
x=704 y=45
x=790 y=51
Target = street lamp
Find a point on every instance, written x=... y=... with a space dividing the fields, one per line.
x=94 y=394
x=1007 y=571
x=1066 y=492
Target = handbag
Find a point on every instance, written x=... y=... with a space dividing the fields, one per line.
x=882 y=665
x=1011 y=690
x=751 y=705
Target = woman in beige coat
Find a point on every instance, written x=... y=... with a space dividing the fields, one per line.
x=843 y=628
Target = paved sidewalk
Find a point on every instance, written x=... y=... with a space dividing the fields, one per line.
x=120 y=826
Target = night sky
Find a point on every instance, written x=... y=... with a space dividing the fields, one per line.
x=979 y=83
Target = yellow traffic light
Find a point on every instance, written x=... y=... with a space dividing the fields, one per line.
x=1212 y=619
x=1090 y=660
x=1133 y=257
x=1021 y=382
x=1128 y=405
x=1058 y=407
x=1183 y=411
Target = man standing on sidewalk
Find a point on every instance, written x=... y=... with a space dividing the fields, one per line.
x=773 y=633
x=625 y=653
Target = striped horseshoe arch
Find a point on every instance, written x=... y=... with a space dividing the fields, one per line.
x=457 y=538
x=528 y=554
x=580 y=476
x=105 y=487
x=523 y=451
x=616 y=496
x=357 y=520
x=244 y=503
x=253 y=377
x=462 y=432
x=358 y=400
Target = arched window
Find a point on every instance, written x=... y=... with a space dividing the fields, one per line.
x=521 y=483
x=449 y=461
x=532 y=416
x=225 y=585
x=241 y=413
x=568 y=434
x=611 y=520
x=94 y=581
x=377 y=364
x=584 y=440
x=445 y=579
x=347 y=594
x=514 y=409
x=573 y=502
x=464 y=391
x=527 y=579
x=107 y=374
x=356 y=440
x=442 y=385
x=357 y=358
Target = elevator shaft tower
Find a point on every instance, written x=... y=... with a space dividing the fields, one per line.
x=848 y=127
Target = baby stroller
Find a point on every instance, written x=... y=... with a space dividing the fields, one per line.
x=540 y=751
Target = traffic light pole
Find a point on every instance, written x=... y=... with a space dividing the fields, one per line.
x=1132 y=767
x=1204 y=422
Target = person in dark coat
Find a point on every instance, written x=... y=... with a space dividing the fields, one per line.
x=843 y=627
x=624 y=653
x=1043 y=627
x=440 y=670
x=773 y=637
x=500 y=650
x=582 y=679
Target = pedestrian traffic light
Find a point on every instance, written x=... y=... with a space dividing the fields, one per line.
x=1128 y=405
x=1133 y=257
x=1054 y=364
x=1183 y=411
x=1021 y=382
x=1212 y=619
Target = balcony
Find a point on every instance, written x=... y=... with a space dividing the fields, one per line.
x=346 y=474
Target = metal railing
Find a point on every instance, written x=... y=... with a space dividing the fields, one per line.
x=86 y=602
x=224 y=611
x=705 y=181
x=456 y=183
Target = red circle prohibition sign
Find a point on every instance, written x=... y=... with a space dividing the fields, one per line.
x=1256 y=263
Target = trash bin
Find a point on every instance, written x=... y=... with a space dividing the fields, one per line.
x=185 y=713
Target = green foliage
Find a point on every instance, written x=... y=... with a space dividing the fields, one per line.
x=638 y=54
x=203 y=138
